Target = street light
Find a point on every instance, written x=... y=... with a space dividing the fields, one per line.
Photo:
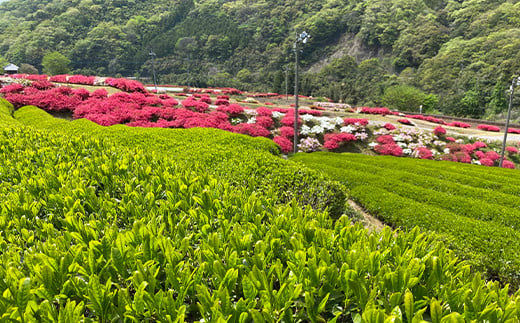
x=515 y=81
x=152 y=54
x=302 y=38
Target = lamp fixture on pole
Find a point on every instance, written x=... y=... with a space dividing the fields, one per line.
x=302 y=38
x=515 y=81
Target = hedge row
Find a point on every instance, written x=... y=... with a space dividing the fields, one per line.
x=484 y=233
x=246 y=162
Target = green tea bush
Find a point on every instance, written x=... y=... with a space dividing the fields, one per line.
x=480 y=224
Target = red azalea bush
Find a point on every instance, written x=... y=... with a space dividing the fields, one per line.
x=381 y=111
x=385 y=139
x=354 y=121
x=479 y=144
x=12 y=88
x=480 y=154
x=486 y=162
x=285 y=144
x=42 y=85
x=61 y=78
x=512 y=150
x=288 y=120
x=426 y=118
x=439 y=131
x=221 y=102
x=486 y=127
x=450 y=139
x=389 y=126
x=513 y=130
x=252 y=130
x=492 y=155
x=333 y=140
x=263 y=111
x=232 y=110
x=459 y=124
x=125 y=85
x=265 y=122
x=462 y=157
x=405 y=121
x=81 y=79
x=508 y=164
x=287 y=132
x=391 y=149
x=193 y=104
x=423 y=153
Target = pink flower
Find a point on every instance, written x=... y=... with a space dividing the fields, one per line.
x=405 y=121
x=486 y=162
x=389 y=126
x=353 y=121
x=508 y=164
x=492 y=155
x=439 y=131
x=486 y=127
x=450 y=139
x=423 y=153
x=389 y=149
x=512 y=150
x=284 y=143
x=385 y=139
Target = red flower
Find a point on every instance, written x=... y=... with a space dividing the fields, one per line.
x=424 y=153
x=508 y=164
x=385 y=139
x=486 y=162
x=389 y=126
x=492 y=155
x=486 y=127
x=405 y=121
x=439 y=131
x=360 y=121
x=284 y=143
x=391 y=149
x=512 y=150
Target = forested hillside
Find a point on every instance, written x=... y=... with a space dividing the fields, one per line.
x=454 y=56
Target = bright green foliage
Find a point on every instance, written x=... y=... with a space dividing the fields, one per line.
x=250 y=165
x=94 y=230
x=473 y=208
x=408 y=98
x=55 y=63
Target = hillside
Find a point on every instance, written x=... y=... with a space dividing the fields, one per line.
x=463 y=53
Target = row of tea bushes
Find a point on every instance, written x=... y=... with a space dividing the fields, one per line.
x=246 y=162
x=480 y=224
x=93 y=230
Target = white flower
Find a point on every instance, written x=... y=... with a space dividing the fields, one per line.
x=407 y=151
x=373 y=144
x=446 y=150
x=250 y=112
x=278 y=115
x=338 y=121
x=305 y=130
x=361 y=135
x=317 y=130
x=252 y=120
x=307 y=117
x=347 y=129
x=402 y=144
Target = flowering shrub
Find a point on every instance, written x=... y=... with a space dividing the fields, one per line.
x=385 y=139
x=125 y=85
x=193 y=104
x=426 y=118
x=405 y=121
x=12 y=88
x=508 y=164
x=381 y=111
x=265 y=122
x=284 y=143
x=439 y=131
x=81 y=79
x=309 y=145
x=61 y=78
x=232 y=110
x=287 y=132
x=355 y=121
x=252 y=130
x=459 y=124
x=492 y=155
x=486 y=127
x=512 y=150
x=513 y=130
x=422 y=153
x=391 y=149
x=263 y=111
x=389 y=126
x=450 y=139
x=486 y=162
x=333 y=141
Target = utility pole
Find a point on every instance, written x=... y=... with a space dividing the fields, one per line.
x=152 y=54
x=302 y=38
x=515 y=81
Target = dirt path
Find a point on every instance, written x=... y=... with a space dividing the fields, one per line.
x=371 y=223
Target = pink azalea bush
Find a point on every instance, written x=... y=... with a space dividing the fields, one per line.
x=486 y=127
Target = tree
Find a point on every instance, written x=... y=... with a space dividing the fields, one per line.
x=55 y=63
x=27 y=69
x=408 y=98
